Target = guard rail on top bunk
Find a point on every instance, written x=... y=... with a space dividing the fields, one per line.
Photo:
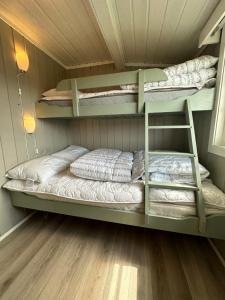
x=138 y=77
x=201 y=101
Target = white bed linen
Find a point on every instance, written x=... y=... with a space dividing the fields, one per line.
x=67 y=187
x=180 y=211
x=105 y=165
x=42 y=168
x=168 y=168
x=179 y=204
x=212 y=195
x=119 y=96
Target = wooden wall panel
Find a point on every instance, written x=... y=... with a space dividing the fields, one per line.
x=126 y=133
x=214 y=163
x=15 y=145
x=89 y=71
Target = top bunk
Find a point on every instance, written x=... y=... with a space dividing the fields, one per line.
x=163 y=91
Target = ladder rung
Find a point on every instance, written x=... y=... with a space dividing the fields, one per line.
x=183 y=154
x=170 y=127
x=175 y=186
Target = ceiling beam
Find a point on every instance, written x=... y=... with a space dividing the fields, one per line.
x=210 y=33
x=104 y=12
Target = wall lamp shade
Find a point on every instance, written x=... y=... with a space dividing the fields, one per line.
x=22 y=61
x=29 y=123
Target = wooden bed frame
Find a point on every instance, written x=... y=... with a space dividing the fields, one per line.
x=215 y=224
x=201 y=101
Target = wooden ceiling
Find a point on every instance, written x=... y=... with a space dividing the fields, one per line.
x=131 y=32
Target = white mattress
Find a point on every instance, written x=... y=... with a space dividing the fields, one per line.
x=181 y=204
x=123 y=196
x=180 y=211
x=119 y=96
x=67 y=187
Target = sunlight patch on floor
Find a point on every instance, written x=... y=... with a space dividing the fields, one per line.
x=123 y=283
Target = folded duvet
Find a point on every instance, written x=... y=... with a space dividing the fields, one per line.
x=166 y=168
x=104 y=165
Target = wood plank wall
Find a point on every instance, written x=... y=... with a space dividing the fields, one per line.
x=214 y=163
x=15 y=145
x=126 y=134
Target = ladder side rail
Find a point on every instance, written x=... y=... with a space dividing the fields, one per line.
x=195 y=166
x=146 y=161
x=141 y=95
x=75 y=98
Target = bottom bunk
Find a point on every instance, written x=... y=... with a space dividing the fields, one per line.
x=108 y=184
x=123 y=203
x=188 y=225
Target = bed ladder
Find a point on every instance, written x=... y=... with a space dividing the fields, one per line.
x=197 y=188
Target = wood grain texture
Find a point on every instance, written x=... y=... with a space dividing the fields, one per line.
x=127 y=133
x=65 y=29
x=134 y=31
x=15 y=145
x=70 y=258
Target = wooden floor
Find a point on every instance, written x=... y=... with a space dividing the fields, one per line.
x=70 y=258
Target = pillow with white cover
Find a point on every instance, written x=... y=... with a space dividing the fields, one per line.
x=54 y=92
x=166 y=168
x=197 y=79
x=42 y=168
x=104 y=165
x=193 y=65
x=71 y=153
x=192 y=73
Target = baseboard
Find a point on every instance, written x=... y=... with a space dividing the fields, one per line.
x=217 y=252
x=5 y=235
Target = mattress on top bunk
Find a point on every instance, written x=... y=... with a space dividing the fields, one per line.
x=119 y=96
x=68 y=188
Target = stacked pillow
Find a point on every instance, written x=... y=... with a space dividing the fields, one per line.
x=193 y=73
x=41 y=169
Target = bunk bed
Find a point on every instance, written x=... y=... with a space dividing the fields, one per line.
x=137 y=104
x=134 y=102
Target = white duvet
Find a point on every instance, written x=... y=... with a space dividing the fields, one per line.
x=104 y=165
x=166 y=168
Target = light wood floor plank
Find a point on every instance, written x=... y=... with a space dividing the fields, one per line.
x=76 y=259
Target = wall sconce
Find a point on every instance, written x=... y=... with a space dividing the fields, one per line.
x=22 y=61
x=29 y=123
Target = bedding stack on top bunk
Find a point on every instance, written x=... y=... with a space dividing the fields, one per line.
x=114 y=179
x=184 y=80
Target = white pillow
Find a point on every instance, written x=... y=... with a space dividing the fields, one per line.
x=192 y=73
x=71 y=153
x=193 y=65
x=54 y=92
x=42 y=168
x=39 y=169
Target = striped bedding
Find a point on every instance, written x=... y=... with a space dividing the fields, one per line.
x=104 y=165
